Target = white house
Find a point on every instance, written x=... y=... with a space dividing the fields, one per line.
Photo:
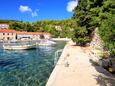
x=4 y=26
x=6 y=35
x=32 y=35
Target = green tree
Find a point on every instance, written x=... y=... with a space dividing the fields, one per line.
x=80 y=36
x=91 y=14
x=107 y=33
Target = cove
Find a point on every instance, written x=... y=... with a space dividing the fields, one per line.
x=27 y=67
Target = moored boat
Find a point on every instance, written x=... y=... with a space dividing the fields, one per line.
x=19 y=47
x=46 y=42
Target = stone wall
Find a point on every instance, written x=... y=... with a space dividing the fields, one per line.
x=96 y=45
x=98 y=52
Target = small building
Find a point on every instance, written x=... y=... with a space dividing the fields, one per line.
x=59 y=28
x=23 y=36
x=6 y=34
x=32 y=35
x=4 y=26
x=47 y=35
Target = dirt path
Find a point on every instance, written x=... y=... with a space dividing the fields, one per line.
x=76 y=68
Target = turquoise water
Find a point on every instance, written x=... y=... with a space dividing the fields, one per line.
x=27 y=67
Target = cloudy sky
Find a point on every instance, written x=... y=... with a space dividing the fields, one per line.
x=33 y=10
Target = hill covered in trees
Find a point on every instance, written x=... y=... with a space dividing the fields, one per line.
x=6 y=21
x=58 y=28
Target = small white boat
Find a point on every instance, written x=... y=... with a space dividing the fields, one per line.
x=46 y=42
x=19 y=47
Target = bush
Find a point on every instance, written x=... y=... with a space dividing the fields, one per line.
x=107 y=33
x=80 y=36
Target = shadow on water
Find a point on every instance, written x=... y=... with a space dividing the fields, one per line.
x=105 y=78
x=5 y=62
x=9 y=64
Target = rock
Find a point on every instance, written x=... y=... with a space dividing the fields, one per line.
x=113 y=63
x=105 y=63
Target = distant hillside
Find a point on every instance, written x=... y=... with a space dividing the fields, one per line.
x=6 y=21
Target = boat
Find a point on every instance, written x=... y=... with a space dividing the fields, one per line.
x=46 y=42
x=19 y=47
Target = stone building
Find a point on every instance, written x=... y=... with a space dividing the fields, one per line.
x=6 y=34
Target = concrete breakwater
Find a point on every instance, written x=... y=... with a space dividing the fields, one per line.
x=56 y=69
x=60 y=39
x=76 y=68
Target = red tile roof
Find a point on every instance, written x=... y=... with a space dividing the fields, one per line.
x=22 y=33
x=32 y=33
x=7 y=31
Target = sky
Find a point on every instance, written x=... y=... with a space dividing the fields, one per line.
x=34 y=10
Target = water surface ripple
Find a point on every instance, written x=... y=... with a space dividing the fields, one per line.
x=27 y=67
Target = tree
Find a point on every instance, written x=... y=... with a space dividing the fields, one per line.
x=91 y=14
x=80 y=36
x=107 y=33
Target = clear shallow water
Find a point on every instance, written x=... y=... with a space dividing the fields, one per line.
x=27 y=67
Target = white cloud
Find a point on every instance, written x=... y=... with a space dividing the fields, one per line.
x=71 y=5
x=24 y=9
x=35 y=13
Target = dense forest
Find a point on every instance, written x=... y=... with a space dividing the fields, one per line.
x=88 y=15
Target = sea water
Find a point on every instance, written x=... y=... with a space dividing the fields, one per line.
x=27 y=67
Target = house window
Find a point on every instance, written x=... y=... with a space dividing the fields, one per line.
x=3 y=33
x=8 y=38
